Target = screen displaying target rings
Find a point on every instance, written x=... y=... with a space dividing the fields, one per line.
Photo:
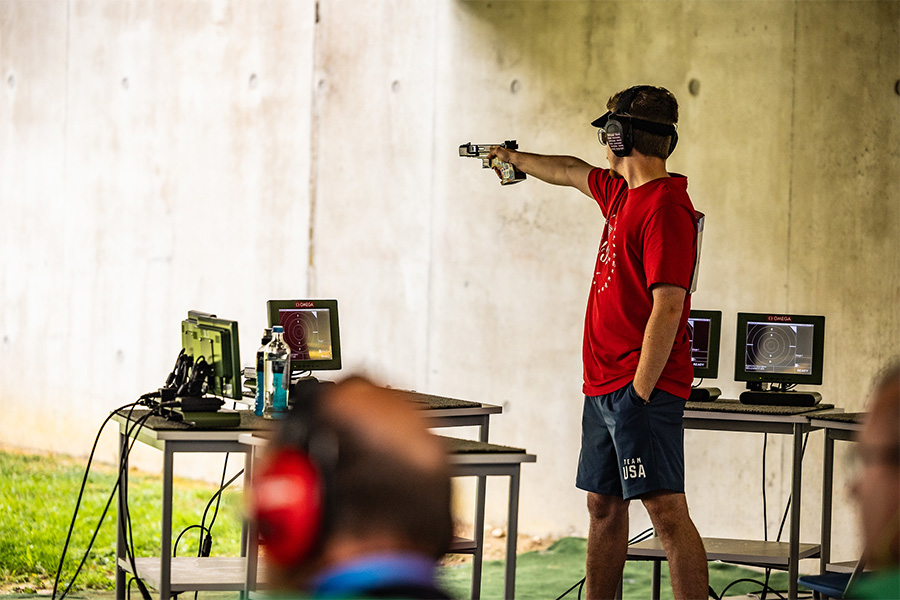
x=772 y=348
x=311 y=331
x=779 y=348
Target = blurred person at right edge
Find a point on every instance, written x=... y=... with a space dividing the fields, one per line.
x=876 y=491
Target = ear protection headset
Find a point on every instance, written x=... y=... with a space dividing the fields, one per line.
x=619 y=125
x=288 y=492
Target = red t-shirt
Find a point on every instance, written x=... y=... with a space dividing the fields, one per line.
x=650 y=237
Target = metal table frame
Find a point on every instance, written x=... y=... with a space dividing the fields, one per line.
x=718 y=420
x=469 y=464
x=834 y=430
x=171 y=441
x=465 y=417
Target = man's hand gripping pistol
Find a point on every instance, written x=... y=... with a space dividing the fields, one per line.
x=508 y=173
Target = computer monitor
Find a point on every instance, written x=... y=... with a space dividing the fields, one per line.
x=216 y=340
x=311 y=330
x=704 y=330
x=785 y=350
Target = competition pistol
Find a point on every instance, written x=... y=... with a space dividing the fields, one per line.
x=508 y=173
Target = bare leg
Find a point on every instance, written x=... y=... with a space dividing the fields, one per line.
x=607 y=545
x=684 y=548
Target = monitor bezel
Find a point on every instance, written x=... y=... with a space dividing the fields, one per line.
x=298 y=366
x=223 y=335
x=814 y=378
x=715 y=340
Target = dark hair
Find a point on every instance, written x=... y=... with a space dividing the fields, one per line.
x=652 y=104
x=373 y=490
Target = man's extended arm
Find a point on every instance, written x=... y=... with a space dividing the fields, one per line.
x=659 y=336
x=558 y=170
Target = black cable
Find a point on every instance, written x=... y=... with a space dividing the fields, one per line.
x=645 y=534
x=144 y=399
x=218 y=497
x=130 y=554
x=214 y=497
x=178 y=539
x=131 y=433
x=139 y=423
x=206 y=543
x=787 y=508
x=81 y=493
x=580 y=583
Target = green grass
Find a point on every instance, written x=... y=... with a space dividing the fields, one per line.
x=38 y=494
x=546 y=574
x=37 y=498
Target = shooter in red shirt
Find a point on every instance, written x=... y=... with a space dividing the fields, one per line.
x=637 y=367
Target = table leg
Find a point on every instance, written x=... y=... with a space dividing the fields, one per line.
x=512 y=534
x=251 y=551
x=478 y=525
x=827 y=490
x=165 y=558
x=657 y=577
x=794 y=545
x=120 y=515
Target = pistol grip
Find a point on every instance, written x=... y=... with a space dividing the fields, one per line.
x=508 y=173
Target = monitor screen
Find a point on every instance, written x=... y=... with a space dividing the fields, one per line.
x=311 y=330
x=216 y=340
x=704 y=330
x=779 y=348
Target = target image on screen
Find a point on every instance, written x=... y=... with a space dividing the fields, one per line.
x=311 y=331
x=308 y=332
x=779 y=348
x=704 y=329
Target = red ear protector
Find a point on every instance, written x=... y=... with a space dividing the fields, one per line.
x=288 y=494
x=287 y=505
x=618 y=126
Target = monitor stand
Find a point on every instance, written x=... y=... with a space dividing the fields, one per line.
x=777 y=398
x=704 y=394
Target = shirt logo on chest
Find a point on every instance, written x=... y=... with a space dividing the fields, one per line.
x=607 y=256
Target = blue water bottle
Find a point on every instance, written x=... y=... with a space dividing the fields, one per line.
x=276 y=375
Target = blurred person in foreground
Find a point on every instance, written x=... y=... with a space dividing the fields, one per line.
x=876 y=491
x=353 y=498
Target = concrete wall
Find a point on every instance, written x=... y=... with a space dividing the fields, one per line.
x=157 y=157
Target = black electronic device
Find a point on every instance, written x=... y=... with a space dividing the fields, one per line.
x=618 y=126
x=779 y=398
x=215 y=341
x=704 y=331
x=311 y=330
x=774 y=353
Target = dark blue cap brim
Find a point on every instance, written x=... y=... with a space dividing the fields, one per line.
x=601 y=121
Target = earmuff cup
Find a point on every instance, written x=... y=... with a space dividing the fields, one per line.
x=619 y=136
x=288 y=506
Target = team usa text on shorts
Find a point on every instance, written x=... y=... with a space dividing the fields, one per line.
x=632 y=468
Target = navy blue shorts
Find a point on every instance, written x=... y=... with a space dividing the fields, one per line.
x=629 y=448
